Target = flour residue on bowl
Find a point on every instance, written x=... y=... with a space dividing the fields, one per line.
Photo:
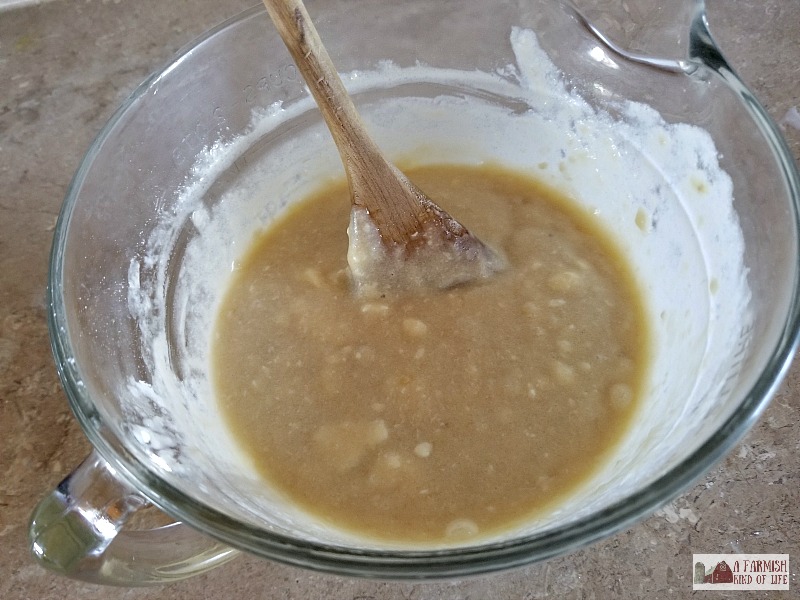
x=658 y=186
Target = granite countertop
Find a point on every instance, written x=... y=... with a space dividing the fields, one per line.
x=64 y=68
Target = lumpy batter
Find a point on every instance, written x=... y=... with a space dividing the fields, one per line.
x=433 y=416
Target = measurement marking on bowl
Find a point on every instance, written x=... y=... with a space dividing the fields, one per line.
x=282 y=76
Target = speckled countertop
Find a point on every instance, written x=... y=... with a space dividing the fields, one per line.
x=65 y=66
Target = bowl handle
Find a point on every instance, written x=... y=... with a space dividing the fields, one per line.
x=77 y=531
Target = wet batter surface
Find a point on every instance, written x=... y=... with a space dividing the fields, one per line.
x=433 y=416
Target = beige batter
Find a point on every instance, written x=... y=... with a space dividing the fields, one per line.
x=442 y=415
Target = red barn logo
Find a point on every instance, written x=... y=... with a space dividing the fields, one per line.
x=722 y=573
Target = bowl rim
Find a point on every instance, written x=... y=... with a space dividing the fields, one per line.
x=417 y=564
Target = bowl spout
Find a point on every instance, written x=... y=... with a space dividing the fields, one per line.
x=672 y=36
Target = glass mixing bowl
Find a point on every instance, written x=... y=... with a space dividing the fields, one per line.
x=230 y=114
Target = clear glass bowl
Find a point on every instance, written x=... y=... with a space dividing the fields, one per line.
x=115 y=312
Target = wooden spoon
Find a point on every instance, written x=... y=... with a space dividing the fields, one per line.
x=420 y=243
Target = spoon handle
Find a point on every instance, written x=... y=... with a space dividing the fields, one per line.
x=297 y=31
x=375 y=183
